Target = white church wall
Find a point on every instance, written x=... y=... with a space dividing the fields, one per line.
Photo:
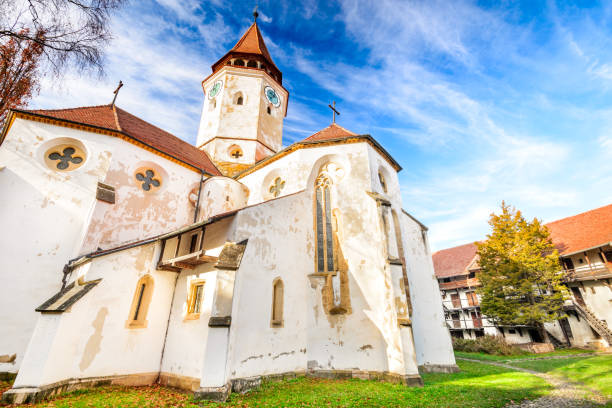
x=91 y=338
x=44 y=214
x=279 y=245
x=137 y=213
x=432 y=338
x=367 y=337
x=598 y=298
x=187 y=336
x=220 y=195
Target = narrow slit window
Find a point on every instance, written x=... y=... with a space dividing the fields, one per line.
x=141 y=292
x=277 y=302
x=140 y=303
x=193 y=245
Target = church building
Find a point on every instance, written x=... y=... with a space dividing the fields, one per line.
x=129 y=256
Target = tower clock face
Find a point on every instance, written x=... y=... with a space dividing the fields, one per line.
x=272 y=96
x=215 y=89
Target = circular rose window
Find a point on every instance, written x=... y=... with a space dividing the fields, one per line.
x=65 y=157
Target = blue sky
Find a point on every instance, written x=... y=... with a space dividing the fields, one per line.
x=478 y=101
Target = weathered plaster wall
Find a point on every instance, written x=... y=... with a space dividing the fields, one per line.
x=432 y=339
x=367 y=337
x=91 y=339
x=43 y=214
x=598 y=297
x=139 y=214
x=220 y=195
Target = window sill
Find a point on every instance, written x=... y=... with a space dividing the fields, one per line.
x=276 y=324
x=191 y=316
x=136 y=324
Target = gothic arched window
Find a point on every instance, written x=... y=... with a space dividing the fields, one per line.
x=325 y=253
x=238 y=98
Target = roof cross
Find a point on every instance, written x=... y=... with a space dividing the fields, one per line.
x=116 y=92
x=334 y=111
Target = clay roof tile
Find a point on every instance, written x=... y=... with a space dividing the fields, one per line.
x=116 y=119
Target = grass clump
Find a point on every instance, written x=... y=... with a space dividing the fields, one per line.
x=495 y=345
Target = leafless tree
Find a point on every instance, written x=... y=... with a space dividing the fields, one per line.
x=69 y=31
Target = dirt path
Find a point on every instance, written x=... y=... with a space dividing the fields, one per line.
x=566 y=394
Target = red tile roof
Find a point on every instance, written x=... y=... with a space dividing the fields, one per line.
x=582 y=231
x=333 y=131
x=116 y=119
x=454 y=261
x=251 y=43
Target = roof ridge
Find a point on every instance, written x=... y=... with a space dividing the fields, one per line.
x=116 y=117
x=67 y=109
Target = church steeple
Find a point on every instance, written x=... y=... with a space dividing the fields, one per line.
x=244 y=105
x=251 y=52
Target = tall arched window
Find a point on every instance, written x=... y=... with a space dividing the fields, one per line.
x=140 y=303
x=278 y=289
x=324 y=234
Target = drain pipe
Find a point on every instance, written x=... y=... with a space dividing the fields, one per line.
x=197 y=207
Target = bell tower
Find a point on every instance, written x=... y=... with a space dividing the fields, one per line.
x=245 y=104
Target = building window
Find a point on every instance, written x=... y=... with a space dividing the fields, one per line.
x=277 y=303
x=235 y=152
x=238 y=98
x=64 y=157
x=472 y=298
x=239 y=63
x=276 y=187
x=147 y=179
x=140 y=303
x=382 y=181
x=324 y=234
x=194 y=299
x=269 y=111
x=252 y=64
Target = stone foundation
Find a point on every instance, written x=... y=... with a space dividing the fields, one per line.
x=33 y=395
x=439 y=368
x=179 y=381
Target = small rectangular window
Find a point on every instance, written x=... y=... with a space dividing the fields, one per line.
x=193 y=244
x=197 y=292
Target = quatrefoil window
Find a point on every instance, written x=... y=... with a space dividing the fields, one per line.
x=148 y=180
x=277 y=186
x=65 y=157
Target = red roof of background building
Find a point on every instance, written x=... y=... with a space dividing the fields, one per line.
x=454 y=261
x=333 y=131
x=116 y=119
x=582 y=231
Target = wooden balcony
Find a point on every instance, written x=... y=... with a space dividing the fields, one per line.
x=592 y=272
x=184 y=250
x=463 y=283
x=188 y=261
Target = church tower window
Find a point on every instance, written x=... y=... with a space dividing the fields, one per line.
x=269 y=111
x=235 y=152
x=324 y=233
x=278 y=289
x=383 y=183
x=252 y=64
x=238 y=98
x=140 y=303
x=239 y=63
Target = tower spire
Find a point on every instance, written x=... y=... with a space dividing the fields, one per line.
x=255 y=13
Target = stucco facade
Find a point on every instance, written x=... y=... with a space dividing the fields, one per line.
x=303 y=262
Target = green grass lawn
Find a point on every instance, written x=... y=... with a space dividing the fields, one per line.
x=595 y=372
x=477 y=385
x=492 y=357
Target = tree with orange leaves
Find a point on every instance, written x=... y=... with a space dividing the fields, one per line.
x=19 y=72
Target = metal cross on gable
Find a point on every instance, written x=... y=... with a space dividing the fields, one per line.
x=276 y=188
x=334 y=111
x=65 y=158
x=148 y=180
